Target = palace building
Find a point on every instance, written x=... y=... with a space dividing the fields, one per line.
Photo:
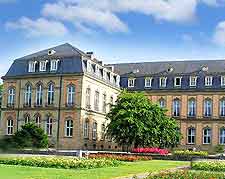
x=68 y=93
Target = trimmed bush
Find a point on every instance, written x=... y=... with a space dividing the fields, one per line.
x=126 y=158
x=219 y=149
x=152 y=150
x=60 y=162
x=190 y=153
x=207 y=165
x=187 y=175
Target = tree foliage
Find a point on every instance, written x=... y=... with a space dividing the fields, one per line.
x=135 y=120
x=29 y=136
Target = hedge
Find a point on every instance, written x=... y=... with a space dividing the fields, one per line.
x=207 y=165
x=187 y=175
x=60 y=162
x=127 y=158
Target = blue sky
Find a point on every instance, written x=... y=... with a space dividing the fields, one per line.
x=116 y=30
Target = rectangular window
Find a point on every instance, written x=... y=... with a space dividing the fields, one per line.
x=88 y=98
x=162 y=82
x=206 y=136
x=208 y=81
x=9 y=127
x=177 y=81
x=148 y=82
x=191 y=136
x=54 y=65
x=49 y=126
x=131 y=82
x=94 y=131
x=104 y=103
x=208 y=108
x=86 y=129
x=96 y=101
x=193 y=81
x=176 y=108
x=43 y=65
x=222 y=80
x=32 y=66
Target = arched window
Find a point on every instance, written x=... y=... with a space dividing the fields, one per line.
x=11 y=96
x=191 y=135
x=162 y=103
x=96 y=101
x=222 y=107
x=39 y=95
x=28 y=95
x=94 y=131
x=70 y=95
x=9 y=126
x=88 y=98
x=191 y=107
x=207 y=132
x=49 y=126
x=208 y=107
x=38 y=120
x=176 y=107
x=51 y=93
x=104 y=103
x=27 y=118
x=86 y=129
x=222 y=135
x=69 y=128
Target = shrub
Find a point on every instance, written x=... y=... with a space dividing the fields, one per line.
x=188 y=155
x=151 y=150
x=127 y=158
x=219 y=149
x=31 y=136
x=187 y=175
x=207 y=165
x=59 y=162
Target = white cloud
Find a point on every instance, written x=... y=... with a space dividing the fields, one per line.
x=187 y=38
x=219 y=34
x=84 y=16
x=39 y=27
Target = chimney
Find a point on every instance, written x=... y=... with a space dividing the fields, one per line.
x=90 y=54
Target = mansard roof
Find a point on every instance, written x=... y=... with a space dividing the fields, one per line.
x=178 y=67
x=70 y=61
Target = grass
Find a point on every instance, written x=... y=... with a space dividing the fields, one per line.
x=21 y=172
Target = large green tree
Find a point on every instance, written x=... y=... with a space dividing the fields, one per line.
x=136 y=121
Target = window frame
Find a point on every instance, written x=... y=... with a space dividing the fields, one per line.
x=69 y=128
x=131 y=82
x=43 y=66
x=54 y=63
x=207 y=136
x=222 y=81
x=94 y=131
x=175 y=81
x=191 y=107
x=86 y=129
x=222 y=107
x=176 y=108
x=191 y=135
x=11 y=96
x=96 y=100
x=51 y=94
x=104 y=102
x=208 y=81
x=49 y=126
x=28 y=95
x=88 y=98
x=222 y=136
x=32 y=66
x=148 y=82
x=70 y=98
x=162 y=82
x=162 y=101
x=193 y=81
x=39 y=95
x=10 y=127
x=208 y=109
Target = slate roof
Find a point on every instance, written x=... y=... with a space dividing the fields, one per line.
x=179 y=67
x=70 y=61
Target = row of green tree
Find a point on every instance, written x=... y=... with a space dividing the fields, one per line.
x=134 y=121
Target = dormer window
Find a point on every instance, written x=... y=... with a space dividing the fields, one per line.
x=54 y=65
x=162 y=82
x=131 y=82
x=222 y=80
x=193 y=81
x=43 y=65
x=148 y=82
x=32 y=66
x=208 y=81
x=177 y=81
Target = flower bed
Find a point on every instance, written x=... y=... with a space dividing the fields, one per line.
x=60 y=162
x=190 y=153
x=127 y=158
x=151 y=151
x=187 y=175
x=217 y=165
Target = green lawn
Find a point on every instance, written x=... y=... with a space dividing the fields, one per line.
x=20 y=172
